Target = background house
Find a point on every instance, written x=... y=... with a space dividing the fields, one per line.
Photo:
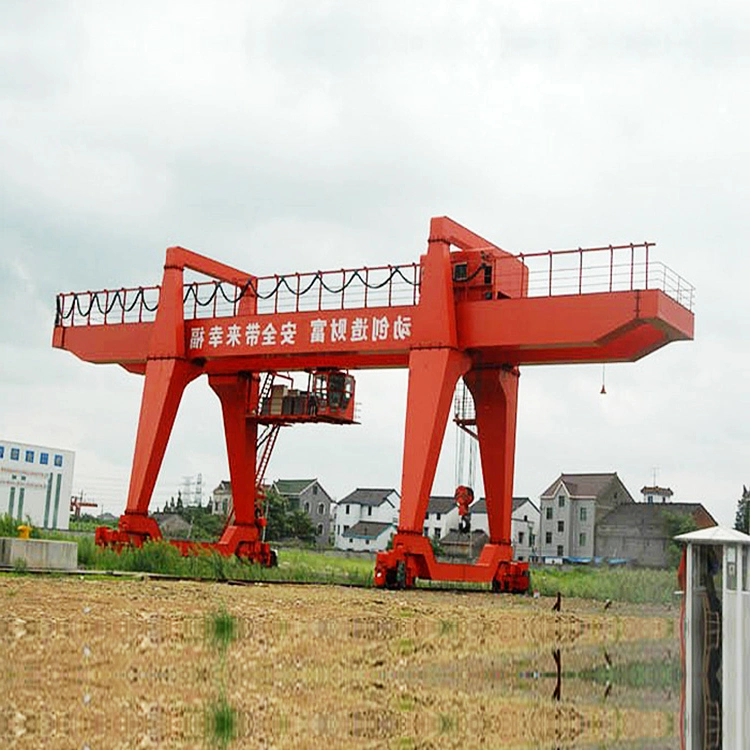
x=36 y=482
x=309 y=496
x=524 y=525
x=366 y=519
x=441 y=517
x=637 y=532
x=656 y=494
x=571 y=508
x=221 y=498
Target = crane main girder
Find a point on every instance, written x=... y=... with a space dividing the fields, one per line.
x=475 y=312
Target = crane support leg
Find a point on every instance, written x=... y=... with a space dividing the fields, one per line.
x=238 y=394
x=433 y=374
x=163 y=386
x=495 y=393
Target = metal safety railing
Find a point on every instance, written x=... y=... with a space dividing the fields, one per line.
x=613 y=268
x=381 y=286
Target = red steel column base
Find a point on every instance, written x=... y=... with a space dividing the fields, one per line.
x=412 y=557
x=245 y=542
x=133 y=530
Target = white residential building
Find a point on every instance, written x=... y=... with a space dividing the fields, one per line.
x=366 y=519
x=441 y=517
x=36 y=482
x=524 y=526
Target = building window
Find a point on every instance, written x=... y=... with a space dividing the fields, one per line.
x=307 y=507
x=650 y=498
x=2 y=451
x=315 y=489
x=425 y=531
x=561 y=501
x=29 y=457
x=548 y=538
x=346 y=528
x=525 y=517
x=321 y=509
x=347 y=510
x=436 y=534
x=320 y=529
x=520 y=537
x=367 y=542
x=560 y=527
x=369 y=510
x=549 y=513
x=583 y=514
x=14 y=454
x=437 y=516
x=532 y=540
x=582 y=539
x=44 y=458
x=560 y=552
x=58 y=460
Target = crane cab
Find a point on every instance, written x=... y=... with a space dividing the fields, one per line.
x=329 y=398
x=332 y=392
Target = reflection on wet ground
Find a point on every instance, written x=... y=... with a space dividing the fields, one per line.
x=140 y=664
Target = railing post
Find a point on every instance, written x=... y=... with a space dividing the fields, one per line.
x=632 y=265
x=647 y=265
x=611 y=265
x=580 y=270
x=549 y=253
x=276 y=294
x=343 y=287
x=319 y=276
x=367 y=283
x=390 y=285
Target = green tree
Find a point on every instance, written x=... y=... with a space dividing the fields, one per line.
x=674 y=525
x=742 y=517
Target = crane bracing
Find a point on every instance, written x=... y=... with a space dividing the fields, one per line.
x=467 y=309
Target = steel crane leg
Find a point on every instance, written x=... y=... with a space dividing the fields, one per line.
x=163 y=386
x=432 y=379
x=238 y=394
x=433 y=374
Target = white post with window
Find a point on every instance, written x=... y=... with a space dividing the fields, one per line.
x=716 y=633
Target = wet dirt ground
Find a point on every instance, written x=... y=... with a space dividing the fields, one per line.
x=135 y=664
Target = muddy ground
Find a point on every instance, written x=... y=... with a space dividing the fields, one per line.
x=135 y=664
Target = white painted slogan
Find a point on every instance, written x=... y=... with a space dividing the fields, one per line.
x=320 y=331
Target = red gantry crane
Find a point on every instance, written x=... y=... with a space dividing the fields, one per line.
x=467 y=309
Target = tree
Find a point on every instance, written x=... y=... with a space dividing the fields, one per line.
x=283 y=522
x=742 y=518
x=674 y=525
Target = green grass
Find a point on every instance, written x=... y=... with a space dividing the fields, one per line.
x=222 y=723
x=638 y=586
x=222 y=629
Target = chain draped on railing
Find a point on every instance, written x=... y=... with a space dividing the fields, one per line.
x=383 y=286
x=612 y=268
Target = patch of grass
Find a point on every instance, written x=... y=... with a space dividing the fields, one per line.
x=638 y=586
x=222 y=628
x=661 y=675
x=19 y=566
x=222 y=723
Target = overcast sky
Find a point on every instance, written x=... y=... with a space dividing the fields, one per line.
x=286 y=136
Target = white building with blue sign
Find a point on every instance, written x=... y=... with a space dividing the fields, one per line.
x=36 y=483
